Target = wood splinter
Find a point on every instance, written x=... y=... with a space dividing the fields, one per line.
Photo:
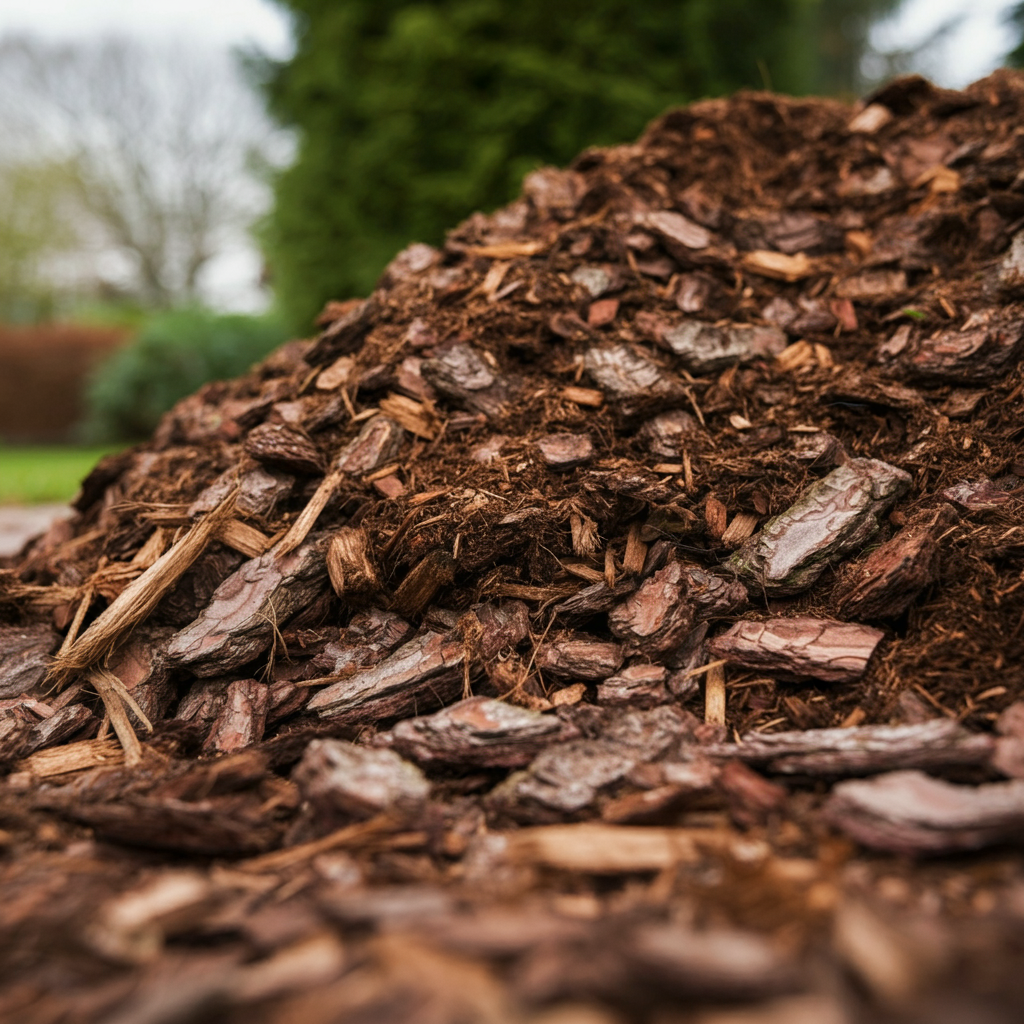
x=714 y=694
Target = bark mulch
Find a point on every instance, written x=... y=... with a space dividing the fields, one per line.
x=616 y=617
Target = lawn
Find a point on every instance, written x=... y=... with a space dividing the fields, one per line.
x=36 y=474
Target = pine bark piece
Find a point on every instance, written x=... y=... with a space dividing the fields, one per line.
x=370 y=637
x=274 y=444
x=864 y=750
x=708 y=348
x=566 y=451
x=985 y=349
x=1008 y=756
x=752 y=798
x=681 y=236
x=833 y=517
x=503 y=626
x=580 y=659
x=135 y=603
x=259 y=492
x=713 y=963
x=376 y=444
x=597 y=598
x=420 y=675
x=25 y=657
x=242 y=719
x=58 y=728
x=337 y=777
x=350 y=565
x=638 y=686
x=667 y=433
x=344 y=332
x=461 y=373
x=800 y=648
x=477 y=732
x=239 y=623
x=423 y=582
x=1010 y=275
x=659 y=616
x=141 y=665
x=631 y=378
x=886 y=583
x=16 y=728
x=565 y=778
x=203 y=703
x=910 y=813
x=975 y=495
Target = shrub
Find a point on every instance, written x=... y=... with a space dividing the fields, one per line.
x=174 y=354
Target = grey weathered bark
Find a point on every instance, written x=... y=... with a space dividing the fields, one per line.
x=908 y=812
x=864 y=750
x=832 y=518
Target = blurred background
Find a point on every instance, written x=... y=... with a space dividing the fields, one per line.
x=183 y=184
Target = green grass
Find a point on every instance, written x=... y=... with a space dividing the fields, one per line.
x=32 y=475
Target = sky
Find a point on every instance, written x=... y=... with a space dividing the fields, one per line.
x=970 y=51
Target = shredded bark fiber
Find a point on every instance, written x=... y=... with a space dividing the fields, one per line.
x=618 y=613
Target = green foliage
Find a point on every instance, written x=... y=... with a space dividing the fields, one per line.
x=1015 y=58
x=412 y=115
x=31 y=475
x=174 y=354
x=33 y=230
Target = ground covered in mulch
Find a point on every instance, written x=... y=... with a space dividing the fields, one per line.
x=618 y=616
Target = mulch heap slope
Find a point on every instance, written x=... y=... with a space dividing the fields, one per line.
x=618 y=616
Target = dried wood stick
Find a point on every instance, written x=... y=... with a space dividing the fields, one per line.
x=351 y=835
x=139 y=598
x=714 y=694
x=308 y=516
x=114 y=704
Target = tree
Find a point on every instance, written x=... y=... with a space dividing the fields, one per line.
x=33 y=233
x=156 y=141
x=412 y=115
x=1015 y=58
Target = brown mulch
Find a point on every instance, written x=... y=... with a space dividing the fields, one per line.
x=618 y=616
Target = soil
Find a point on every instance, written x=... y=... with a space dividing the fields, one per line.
x=615 y=617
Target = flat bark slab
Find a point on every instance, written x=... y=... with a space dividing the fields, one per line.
x=25 y=653
x=239 y=622
x=887 y=582
x=708 y=348
x=631 y=378
x=376 y=444
x=863 y=750
x=338 y=777
x=274 y=444
x=421 y=674
x=588 y=660
x=832 y=518
x=911 y=813
x=565 y=451
x=975 y=495
x=985 y=349
x=800 y=648
x=478 y=732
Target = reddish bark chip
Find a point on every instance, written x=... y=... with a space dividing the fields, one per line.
x=800 y=648
x=566 y=451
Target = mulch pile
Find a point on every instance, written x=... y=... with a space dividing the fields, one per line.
x=618 y=616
